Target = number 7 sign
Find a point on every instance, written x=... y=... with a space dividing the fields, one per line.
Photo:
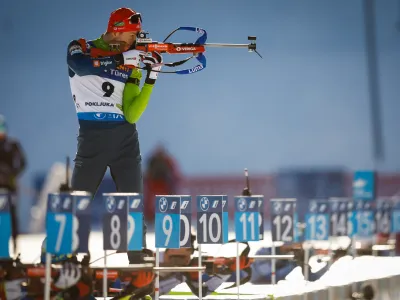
x=59 y=224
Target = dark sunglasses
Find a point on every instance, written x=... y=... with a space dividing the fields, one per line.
x=135 y=19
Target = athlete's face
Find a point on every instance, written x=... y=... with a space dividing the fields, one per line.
x=125 y=39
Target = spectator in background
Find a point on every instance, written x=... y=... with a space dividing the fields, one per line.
x=12 y=164
x=161 y=178
x=12 y=159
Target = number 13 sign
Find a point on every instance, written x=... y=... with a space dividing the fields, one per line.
x=317 y=220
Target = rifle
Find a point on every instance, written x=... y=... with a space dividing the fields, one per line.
x=146 y=44
x=66 y=187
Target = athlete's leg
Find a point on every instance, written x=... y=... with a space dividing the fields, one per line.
x=90 y=163
x=126 y=171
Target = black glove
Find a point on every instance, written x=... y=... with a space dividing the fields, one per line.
x=153 y=66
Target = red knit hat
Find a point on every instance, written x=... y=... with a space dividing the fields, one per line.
x=124 y=19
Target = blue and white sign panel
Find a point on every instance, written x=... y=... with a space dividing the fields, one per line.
x=5 y=224
x=364 y=185
x=135 y=222
x=225 y=219
x=352 y=224
x=59 y=224
x=81 y=221
x=383 y=215
x=168 y=222
x=246 y=219
x=186 y=221
x=115 y=221
x=282 y=219
x=211 y=219
x=365 y=215
x=338 y=211
x=318 y=220
x=396 y=215
x=260 y=216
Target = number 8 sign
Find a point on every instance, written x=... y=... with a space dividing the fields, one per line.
x=122 y=221
x=167 y=222
x=282 y=217
x=115 y=222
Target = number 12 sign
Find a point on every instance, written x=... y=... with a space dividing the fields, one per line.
x=247 y=219
x=282 y=217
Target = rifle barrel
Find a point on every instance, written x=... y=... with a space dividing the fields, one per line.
x=226 y=45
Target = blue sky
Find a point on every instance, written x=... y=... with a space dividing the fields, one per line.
x=304 y=104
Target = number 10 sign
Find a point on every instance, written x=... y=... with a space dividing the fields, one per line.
x=212 y=219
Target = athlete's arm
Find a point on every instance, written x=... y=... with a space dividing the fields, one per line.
x=83 y=64
x=134 y=99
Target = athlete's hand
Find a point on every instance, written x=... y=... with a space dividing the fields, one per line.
x=153 y=64
x=133 y=57
x=69 y=276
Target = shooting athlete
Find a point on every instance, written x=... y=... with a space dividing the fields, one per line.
x=105 y=87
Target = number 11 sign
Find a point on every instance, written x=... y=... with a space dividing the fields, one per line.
x=247 y=219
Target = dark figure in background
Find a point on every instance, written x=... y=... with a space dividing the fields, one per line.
x=161 y=178
x=12 y=164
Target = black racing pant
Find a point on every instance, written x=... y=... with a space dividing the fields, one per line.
x=116 y=148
